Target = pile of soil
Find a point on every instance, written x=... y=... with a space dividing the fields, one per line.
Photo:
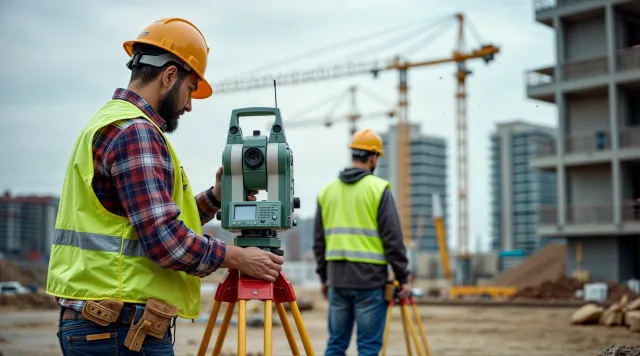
x=564 y=289
x=549 y=263
x=28 y=301
x=10 y=272
x=617 y=291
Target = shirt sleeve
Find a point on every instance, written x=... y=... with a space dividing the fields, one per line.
x=140 y=165
x=208 y=205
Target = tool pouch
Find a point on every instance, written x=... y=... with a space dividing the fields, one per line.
x=154 y=321
x=104 y=312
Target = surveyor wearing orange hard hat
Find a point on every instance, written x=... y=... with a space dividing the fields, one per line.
x=128 y=248
x=357 y=236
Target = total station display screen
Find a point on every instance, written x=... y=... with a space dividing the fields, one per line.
x=244 y=212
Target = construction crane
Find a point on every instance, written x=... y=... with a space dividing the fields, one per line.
x=403 y=185
x=352 y=117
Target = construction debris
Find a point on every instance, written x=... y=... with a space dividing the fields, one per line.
x=614 y=315
x=587 y=314
x=621 y=351
x=632 y=320
x=621 y=313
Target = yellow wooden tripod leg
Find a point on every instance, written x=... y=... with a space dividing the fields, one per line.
x=268 y=330
x=405 y=329
x=288 y=331
x=414 y=335
x=217 y=349
x=301 y=329
x=242 y=328
x=213 y=316
x=386 y=330
x=423 y=335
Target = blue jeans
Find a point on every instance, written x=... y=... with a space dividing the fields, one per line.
x=106 y=340
x=365 y=307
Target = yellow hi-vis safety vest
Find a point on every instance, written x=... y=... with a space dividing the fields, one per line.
x=350 y=220
x=96 y=255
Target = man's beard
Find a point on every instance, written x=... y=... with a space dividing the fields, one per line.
x=168 y=108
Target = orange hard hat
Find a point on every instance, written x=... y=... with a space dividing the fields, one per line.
x=367 y=140
x=182 y=39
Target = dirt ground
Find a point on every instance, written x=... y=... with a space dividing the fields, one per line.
x=451 y=331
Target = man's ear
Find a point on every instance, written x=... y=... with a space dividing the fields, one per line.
x=169 y=76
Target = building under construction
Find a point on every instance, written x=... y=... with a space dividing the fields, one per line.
x=595 y=84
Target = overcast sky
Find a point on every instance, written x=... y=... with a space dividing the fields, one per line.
x=63 y=59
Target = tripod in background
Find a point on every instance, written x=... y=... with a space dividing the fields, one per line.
x=391 y=295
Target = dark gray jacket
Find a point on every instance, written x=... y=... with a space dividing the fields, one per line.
x=364 y=275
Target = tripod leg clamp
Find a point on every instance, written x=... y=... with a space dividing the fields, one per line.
x=154 y=321
x=389 y=292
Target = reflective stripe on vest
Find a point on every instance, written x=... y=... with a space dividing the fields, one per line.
x=97 y=242
x=96 y=255
x=349 y=215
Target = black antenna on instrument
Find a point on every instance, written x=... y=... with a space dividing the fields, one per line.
x=275 y=93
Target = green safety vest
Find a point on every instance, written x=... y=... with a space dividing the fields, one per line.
x=96 y=255
x=350 y=220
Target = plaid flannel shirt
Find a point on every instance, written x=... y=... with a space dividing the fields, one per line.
x=134 y=177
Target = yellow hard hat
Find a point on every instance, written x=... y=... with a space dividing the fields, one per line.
x=367 y=140
x=182 y=39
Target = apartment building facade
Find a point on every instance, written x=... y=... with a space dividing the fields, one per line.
x=26 y=226
x=517 y=190
x=595 y=84
x=428 y=176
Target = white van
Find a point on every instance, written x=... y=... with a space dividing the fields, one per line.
x=12 y=287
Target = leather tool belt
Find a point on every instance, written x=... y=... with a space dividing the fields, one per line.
x=154 y=321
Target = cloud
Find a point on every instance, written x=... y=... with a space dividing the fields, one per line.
x=67 y=58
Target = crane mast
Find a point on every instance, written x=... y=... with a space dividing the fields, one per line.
x=404 y=162
x=461 y=137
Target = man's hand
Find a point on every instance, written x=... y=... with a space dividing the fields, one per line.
x=253 y=261
x=217 y=189
x=405 y=291
x=325 y=291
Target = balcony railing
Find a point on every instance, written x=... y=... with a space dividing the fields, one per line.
x=590 y=214
x=545 y=147
x=628 y=58
x=540 y=77
x=548 y=215
x=596 y=141
x=541 y=5
x=586 y=68
x=573 y=70
x=631 y=211
x=630 y=137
